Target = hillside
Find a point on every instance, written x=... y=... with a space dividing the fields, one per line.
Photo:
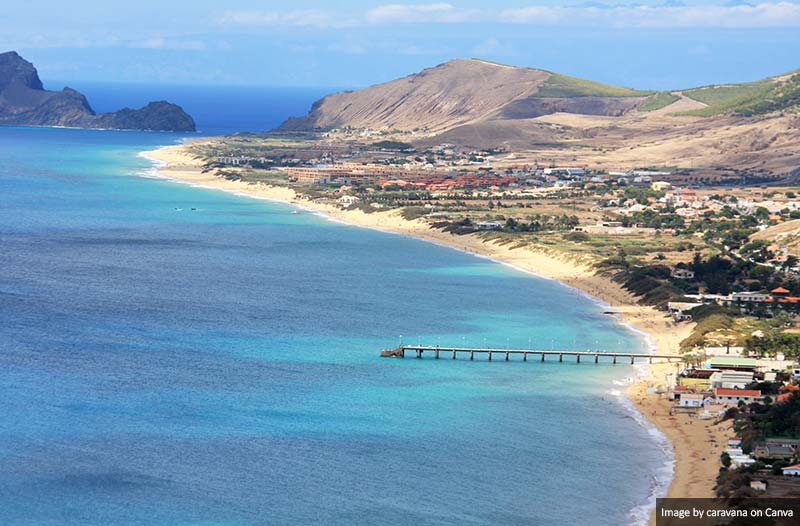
x=470 y=92
x=741 y=130
x=749 y=98
x=464 y=91
x=24 y=101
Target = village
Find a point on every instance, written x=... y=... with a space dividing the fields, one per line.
x=727 y=384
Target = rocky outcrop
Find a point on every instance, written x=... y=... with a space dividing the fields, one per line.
x=532 y=107
x=25 y=102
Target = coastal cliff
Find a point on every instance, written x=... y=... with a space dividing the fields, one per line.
x=25 y=102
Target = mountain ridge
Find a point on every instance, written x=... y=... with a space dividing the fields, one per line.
x=25 y=102
x=462 y=92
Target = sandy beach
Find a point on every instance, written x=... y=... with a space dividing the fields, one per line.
x=696 y=443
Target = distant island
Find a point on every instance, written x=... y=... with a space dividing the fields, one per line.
x=25 y=102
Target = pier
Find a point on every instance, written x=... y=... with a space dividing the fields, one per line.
x=535 y=354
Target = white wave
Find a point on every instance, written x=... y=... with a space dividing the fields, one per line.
x=663 y=475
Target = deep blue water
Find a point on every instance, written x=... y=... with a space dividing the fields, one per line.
x=167 y=366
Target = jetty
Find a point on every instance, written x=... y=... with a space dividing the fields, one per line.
x=535 y=354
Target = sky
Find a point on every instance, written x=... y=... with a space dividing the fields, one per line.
x=353 y=43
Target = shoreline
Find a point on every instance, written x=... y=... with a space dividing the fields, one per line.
x=687 y=442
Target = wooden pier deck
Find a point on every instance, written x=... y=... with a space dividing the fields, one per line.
x=540 y=354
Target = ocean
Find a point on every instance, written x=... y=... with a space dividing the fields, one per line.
x=172 y=355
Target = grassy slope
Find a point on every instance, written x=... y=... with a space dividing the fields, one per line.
x=564 y=86
x=750 y=98
x=658 y=101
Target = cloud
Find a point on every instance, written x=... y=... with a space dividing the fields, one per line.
x=297 y=18
x=349 y=48
x=492 y=47
x=670 y=14
x=167 y=43
x=419 y=13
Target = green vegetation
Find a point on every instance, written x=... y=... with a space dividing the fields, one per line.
x=725 y=94
x=564 y=86
x=787 y=343
x=268 y=177
x=658 y=101
x=710 y=319
x=747 y=99
x=410 y=213
x=769 y=420
x=393 y=145
x=651 y=284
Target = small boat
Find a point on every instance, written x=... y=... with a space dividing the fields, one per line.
x=295 y=212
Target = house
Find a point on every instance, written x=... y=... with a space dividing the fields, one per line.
x=758 y=485
x=731 y=379
x=791 y=471
x=749 y=297
x=738 y=458
x=348 y=200
x=691 y=400
x=734 y=442
x=783 y=448
x=734 y=396
x=489 y=225
x=786 y=392
x=780 y=292
x=682 y=273
x=733 y=363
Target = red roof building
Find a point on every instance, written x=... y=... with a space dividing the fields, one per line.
x=736 y=392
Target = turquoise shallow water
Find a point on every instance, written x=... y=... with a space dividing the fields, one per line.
x=169 y=366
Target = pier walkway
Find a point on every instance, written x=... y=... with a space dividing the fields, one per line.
x=586 y=356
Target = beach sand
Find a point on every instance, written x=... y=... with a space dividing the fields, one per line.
x=697 y=444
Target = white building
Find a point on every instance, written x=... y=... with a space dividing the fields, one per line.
x=731 y=379
x=691 y=400
x=348 y=200
x=759 y=485
x=791 y=471
x=734 y=396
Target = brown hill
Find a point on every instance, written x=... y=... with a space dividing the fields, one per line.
x=461 y=92
x=434 y=100
x=750 y=129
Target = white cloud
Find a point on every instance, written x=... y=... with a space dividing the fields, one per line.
x=667 y=15
x=299 y=18
x=492 y=47
x=419 y=13
x=767 y=14
x=167 y=43
x=350 y=48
